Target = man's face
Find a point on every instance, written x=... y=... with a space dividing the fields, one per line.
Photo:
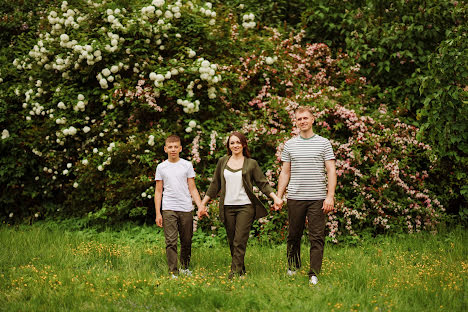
x=173 y=149
x=304 y=121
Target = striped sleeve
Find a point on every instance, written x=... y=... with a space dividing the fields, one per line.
x=328 y=151
x=285 y=155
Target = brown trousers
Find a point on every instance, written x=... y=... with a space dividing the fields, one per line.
x=238 y=221
x=178 y=223
x=298 y=210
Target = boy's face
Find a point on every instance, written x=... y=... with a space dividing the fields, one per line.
x=173 y=149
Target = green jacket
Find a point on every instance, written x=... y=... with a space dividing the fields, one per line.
x=251 y=173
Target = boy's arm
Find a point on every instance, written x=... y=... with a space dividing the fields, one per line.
x=196 y=197
x=157 y=201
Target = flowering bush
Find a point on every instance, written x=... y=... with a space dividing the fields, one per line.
x=90 y=97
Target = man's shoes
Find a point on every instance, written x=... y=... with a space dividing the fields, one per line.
x=186 y=272
x=291 y=272
x=173 y=276
x=313 y=280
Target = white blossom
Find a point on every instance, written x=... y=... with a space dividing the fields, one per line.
x=158 y=3
x=5 y=134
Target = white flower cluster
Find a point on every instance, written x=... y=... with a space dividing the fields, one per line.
x=36 y=152
x=191 y=53
x=159 y=78
x=81 y=104
x=189 y=107
x=61 y=105
x=61 y=121
x=5 y=134
x=105 y=163
x=208 y=71
x=66 y=20
x=248 y=21
x=106 y=75
x=112 y=17
x=111 y=147
x=69 y=131
x=270 y=60
x=192 y=124
x=88 y=53
x=151 y=140
x=115 y=39
x=148 y=192
x=209 y=12
x=172 y=11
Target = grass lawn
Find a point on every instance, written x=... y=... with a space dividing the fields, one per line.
x=44 y=267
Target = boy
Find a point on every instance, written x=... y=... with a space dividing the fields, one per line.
x=175 y=185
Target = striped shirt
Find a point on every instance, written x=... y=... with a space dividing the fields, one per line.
x=307 y=158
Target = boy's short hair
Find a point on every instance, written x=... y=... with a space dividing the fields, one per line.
x=172 y=139
x=302 y=109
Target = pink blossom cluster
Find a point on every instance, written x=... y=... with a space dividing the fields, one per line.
x=195 y=148
x=142 y=92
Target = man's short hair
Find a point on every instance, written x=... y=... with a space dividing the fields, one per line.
x=172 y=139
x=302 y=109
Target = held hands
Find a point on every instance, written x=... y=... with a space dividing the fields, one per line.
x=278 y=203
x=202 y=211
x=328 y=205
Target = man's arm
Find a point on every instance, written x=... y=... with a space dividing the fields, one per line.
x=196 y=197
x=283 y=180
x=157 y=201
x=329 y=202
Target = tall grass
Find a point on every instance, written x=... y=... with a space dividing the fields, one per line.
x=44 y=267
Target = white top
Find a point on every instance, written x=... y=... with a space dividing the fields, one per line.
x=307 y=158
x=176 y=195
x=235 y=192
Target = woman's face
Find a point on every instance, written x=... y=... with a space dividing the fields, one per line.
x=235 y=145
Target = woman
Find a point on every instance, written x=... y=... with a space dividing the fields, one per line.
x=234 y=177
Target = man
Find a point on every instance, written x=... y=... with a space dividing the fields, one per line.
x=306 y=158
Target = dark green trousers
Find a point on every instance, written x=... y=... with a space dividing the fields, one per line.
x=238 y=221
x=178 y=223
x=298 y=210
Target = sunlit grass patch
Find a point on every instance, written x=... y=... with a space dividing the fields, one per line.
x=42 y=267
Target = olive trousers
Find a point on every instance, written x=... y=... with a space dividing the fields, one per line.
x=178 y=224
x=238 y=221
x=298 y=210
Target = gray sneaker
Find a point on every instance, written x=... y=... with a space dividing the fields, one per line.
x=313 y=280
x=186 y=272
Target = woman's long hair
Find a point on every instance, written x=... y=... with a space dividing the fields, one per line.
x=243 y=140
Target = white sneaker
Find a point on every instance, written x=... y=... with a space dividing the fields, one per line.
x=173 y=276
x=313 y=280
x=291 y=272
x=186 y=272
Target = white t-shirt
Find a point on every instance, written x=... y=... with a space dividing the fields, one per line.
x=307 y=158
x=176 y=194
x=235 y=192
